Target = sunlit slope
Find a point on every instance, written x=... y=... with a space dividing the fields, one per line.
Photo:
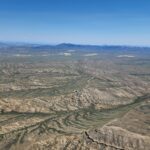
x=74 y=99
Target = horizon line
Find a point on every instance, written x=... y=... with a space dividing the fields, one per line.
x=71 y=43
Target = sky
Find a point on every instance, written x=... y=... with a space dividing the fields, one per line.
x=101 y=22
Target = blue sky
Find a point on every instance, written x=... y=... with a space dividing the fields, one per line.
x=117 y=22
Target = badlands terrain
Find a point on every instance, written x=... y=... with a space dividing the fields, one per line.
x=74 y=97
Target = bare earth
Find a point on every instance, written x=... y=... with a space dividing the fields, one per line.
x=72 y=101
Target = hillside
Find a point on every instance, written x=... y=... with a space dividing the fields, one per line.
x=74 y=97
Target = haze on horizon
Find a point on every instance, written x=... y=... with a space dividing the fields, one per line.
x=76 y=21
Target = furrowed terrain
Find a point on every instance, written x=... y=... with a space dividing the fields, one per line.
x=72 y=97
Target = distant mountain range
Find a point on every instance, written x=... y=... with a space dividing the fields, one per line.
x=24 y=47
